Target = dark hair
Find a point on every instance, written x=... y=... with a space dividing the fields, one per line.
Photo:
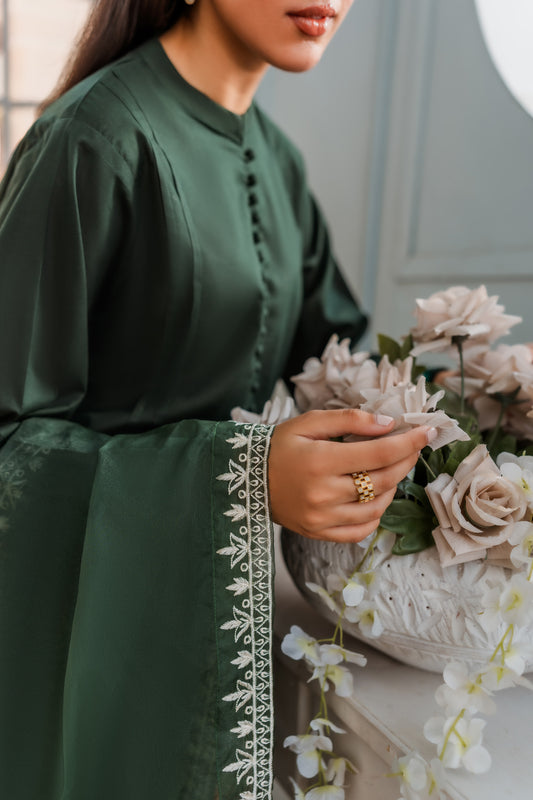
x=113 y=28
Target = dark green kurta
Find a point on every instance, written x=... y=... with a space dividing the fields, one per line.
x=161 y=261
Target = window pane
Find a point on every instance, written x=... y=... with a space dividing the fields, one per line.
x=41 y=33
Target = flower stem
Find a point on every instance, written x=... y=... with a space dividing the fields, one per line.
x=499 y=646
x=459 y=344
x=496 y=429
x=425 y=463
x=459 y=716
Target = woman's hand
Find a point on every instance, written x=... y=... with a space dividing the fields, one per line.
x=312 y=490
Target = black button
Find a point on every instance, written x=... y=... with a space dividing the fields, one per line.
x=255 y=218
x=252 y=199
x=257 y=237
x=260 y=256
x=249 y=155
x=251 y=180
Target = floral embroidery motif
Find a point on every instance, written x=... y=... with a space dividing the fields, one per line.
x=250 y=552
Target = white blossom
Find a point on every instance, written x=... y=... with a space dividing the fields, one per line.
x=336 y=771
x=522 y=540
x=340 y=677
x=517 y=653
x=368 y=617
x=318 y=724
x=308 y=748
x=463 y=744
x=411 y=771
x=499 y=676
x=353 y=592
x=437 y=779
x=511 y=603
x=518 y=470
x=324 y=596
x=462 y=690
x=335 y=654
x=335 y=582
x=297 y=644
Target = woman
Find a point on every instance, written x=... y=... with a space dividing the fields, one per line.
x=161 y=262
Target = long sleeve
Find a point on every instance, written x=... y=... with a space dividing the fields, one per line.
x=135 y=567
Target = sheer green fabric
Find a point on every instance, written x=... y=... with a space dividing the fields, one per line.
x=161 y=261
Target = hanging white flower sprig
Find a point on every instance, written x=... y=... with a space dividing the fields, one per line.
x=464 y=695
x=458 y=733
x=350 y=597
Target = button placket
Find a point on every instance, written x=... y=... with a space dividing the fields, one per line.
x=251 y=183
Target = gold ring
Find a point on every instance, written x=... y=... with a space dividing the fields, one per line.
x=363 y=486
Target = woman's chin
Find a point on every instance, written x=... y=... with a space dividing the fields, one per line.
x=304 y=58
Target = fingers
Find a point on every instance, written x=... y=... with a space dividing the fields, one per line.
x=382 y=480
x=310 y=484
x=380 y=453
x=346 y=514
x=340 y=422
x=345 y=534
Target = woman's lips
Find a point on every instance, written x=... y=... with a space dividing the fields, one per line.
x=313 y=20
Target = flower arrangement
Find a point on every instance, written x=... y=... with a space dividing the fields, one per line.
x=470 y=496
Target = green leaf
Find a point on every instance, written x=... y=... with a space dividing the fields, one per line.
x=503 y=443
x=413 y=524
x=411 y=489
x=388 y=347
x=406 y=347
x=405 y=516
x=413 y=542
x=458 y=452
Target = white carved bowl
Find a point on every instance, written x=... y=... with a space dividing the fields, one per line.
x=430 y=613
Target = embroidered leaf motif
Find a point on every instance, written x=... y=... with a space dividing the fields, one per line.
x=237 y=512
x=238 y=549
x=240 y=586
x=244 y=727
x=240 y=623
x=243 y=694
x=240 y=440
x=243 y=764
x=244 y=658
x=235 y=477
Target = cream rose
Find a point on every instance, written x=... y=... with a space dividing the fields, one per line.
x=410 y=405
x=459 y=311
x=476 y=510
x=338 y=373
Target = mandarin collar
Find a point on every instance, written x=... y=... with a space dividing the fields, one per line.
x=198 y=105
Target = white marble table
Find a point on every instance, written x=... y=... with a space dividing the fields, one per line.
x=386 y=715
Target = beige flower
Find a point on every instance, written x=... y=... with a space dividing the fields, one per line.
x=459 y=311
x=279 y=408
x=498 y=371
x=476 y=510
x=410 y=405
x=335 y=378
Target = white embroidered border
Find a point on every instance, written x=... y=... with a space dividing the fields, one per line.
x=251 y=561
